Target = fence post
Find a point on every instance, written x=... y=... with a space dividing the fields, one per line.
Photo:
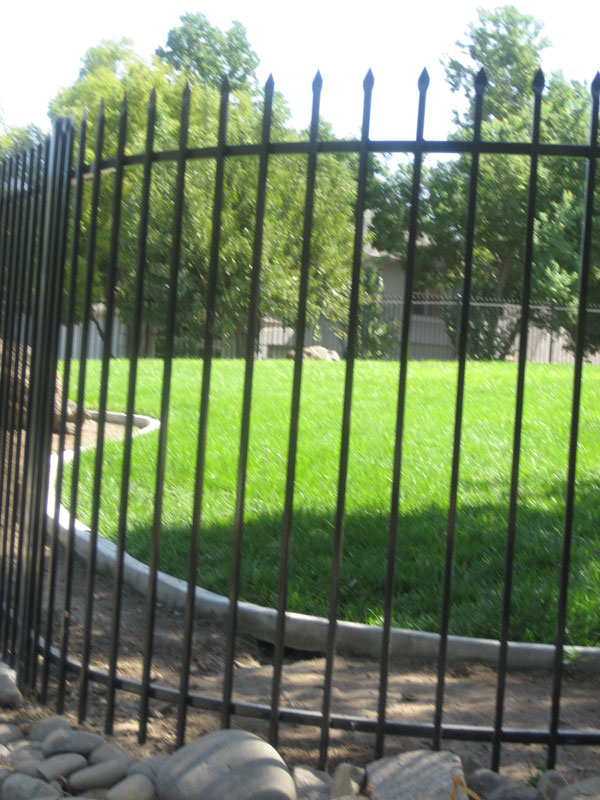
x=552 y=322
x=457 y=320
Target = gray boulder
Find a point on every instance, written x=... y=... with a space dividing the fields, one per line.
x=588 y=789
x=23 y=787
x=549 y=783
x=311 y=784
x=485 y=781
x=9 y=733
x=231 y=764
x=515 y=791
x=9 y=691
x=415 y=775
x=100 y=776
x=133 y=787
x=65 y=740
x=41 y=728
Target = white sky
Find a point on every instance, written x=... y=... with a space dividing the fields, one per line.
x=43 y=42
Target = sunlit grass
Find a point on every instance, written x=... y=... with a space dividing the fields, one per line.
x=482 y=518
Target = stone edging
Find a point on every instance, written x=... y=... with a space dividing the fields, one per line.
x=302 y=631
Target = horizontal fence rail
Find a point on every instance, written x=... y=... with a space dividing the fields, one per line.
x=115 y=242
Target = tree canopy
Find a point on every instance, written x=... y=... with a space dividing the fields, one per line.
x=112 y=70
x=207 y=55
x=507 y=44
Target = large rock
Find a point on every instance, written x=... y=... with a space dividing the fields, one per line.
x=588 y=789
x=133 y=787
x=515 y=791
x=484 y=781
x=41 y=728
x=236 y=765
x=100 y=776
x=348 y=779
x=22 y=787
x=549 y=784
x=66 y=740
x=9 y=733
x=60 y=766
x=9 y=692
x=415 y=775
x=316 y=352
x=311 y=784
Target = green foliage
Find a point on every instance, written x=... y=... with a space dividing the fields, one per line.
x=112 y=70
x=378 y=337
x=207 y=55
x=14 y=140
x=507 y=44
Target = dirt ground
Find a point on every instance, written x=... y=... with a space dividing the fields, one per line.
x=469 y=698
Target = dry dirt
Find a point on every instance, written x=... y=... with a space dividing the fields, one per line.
x=469 y=699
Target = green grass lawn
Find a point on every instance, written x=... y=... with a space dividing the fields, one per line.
x=483 y=493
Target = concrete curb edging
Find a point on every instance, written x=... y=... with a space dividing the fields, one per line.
x=302 y=631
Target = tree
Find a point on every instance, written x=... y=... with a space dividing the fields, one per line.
x=207 y=55
x=14 y=140
x=112 y=70
x=507 y=45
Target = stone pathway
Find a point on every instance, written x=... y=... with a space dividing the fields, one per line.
x=52 y=760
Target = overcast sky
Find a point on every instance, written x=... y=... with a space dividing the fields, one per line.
x=43 y=42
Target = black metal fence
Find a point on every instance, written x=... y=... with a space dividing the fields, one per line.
x=44 y=198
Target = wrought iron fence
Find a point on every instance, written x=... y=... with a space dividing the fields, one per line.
x=45 y=200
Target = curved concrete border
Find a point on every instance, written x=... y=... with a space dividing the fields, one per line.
x=304 y=632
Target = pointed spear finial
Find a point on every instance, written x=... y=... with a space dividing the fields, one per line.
x=123 y=109
x=423 y=82
x=270 y=84
x=187 y=91
x=225 y=86
x=152 y=101
x=317 y=83
x=596 y=85
x=368 y=81
x=538 y=82
x=480 y=81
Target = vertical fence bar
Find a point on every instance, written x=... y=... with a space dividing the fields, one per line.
x=131 y=389
x=552 y=326
x=52 y=567
x=43 y=381
x=87 y=311
x=423 y=85
x=238 y=531
x=36 y=410
x=4 y=272
x=29 y=395
x=111 y=282
x=338 y=543
x=6 y=366
x=11 y=488
x=584 y=274
x=284 y=563
x=9 y=359
x=164 y=412
x=209 y=333
x=52 y=328
x=462 y=334
x=538 y=86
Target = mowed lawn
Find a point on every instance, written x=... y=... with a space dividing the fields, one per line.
x=429 y=420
